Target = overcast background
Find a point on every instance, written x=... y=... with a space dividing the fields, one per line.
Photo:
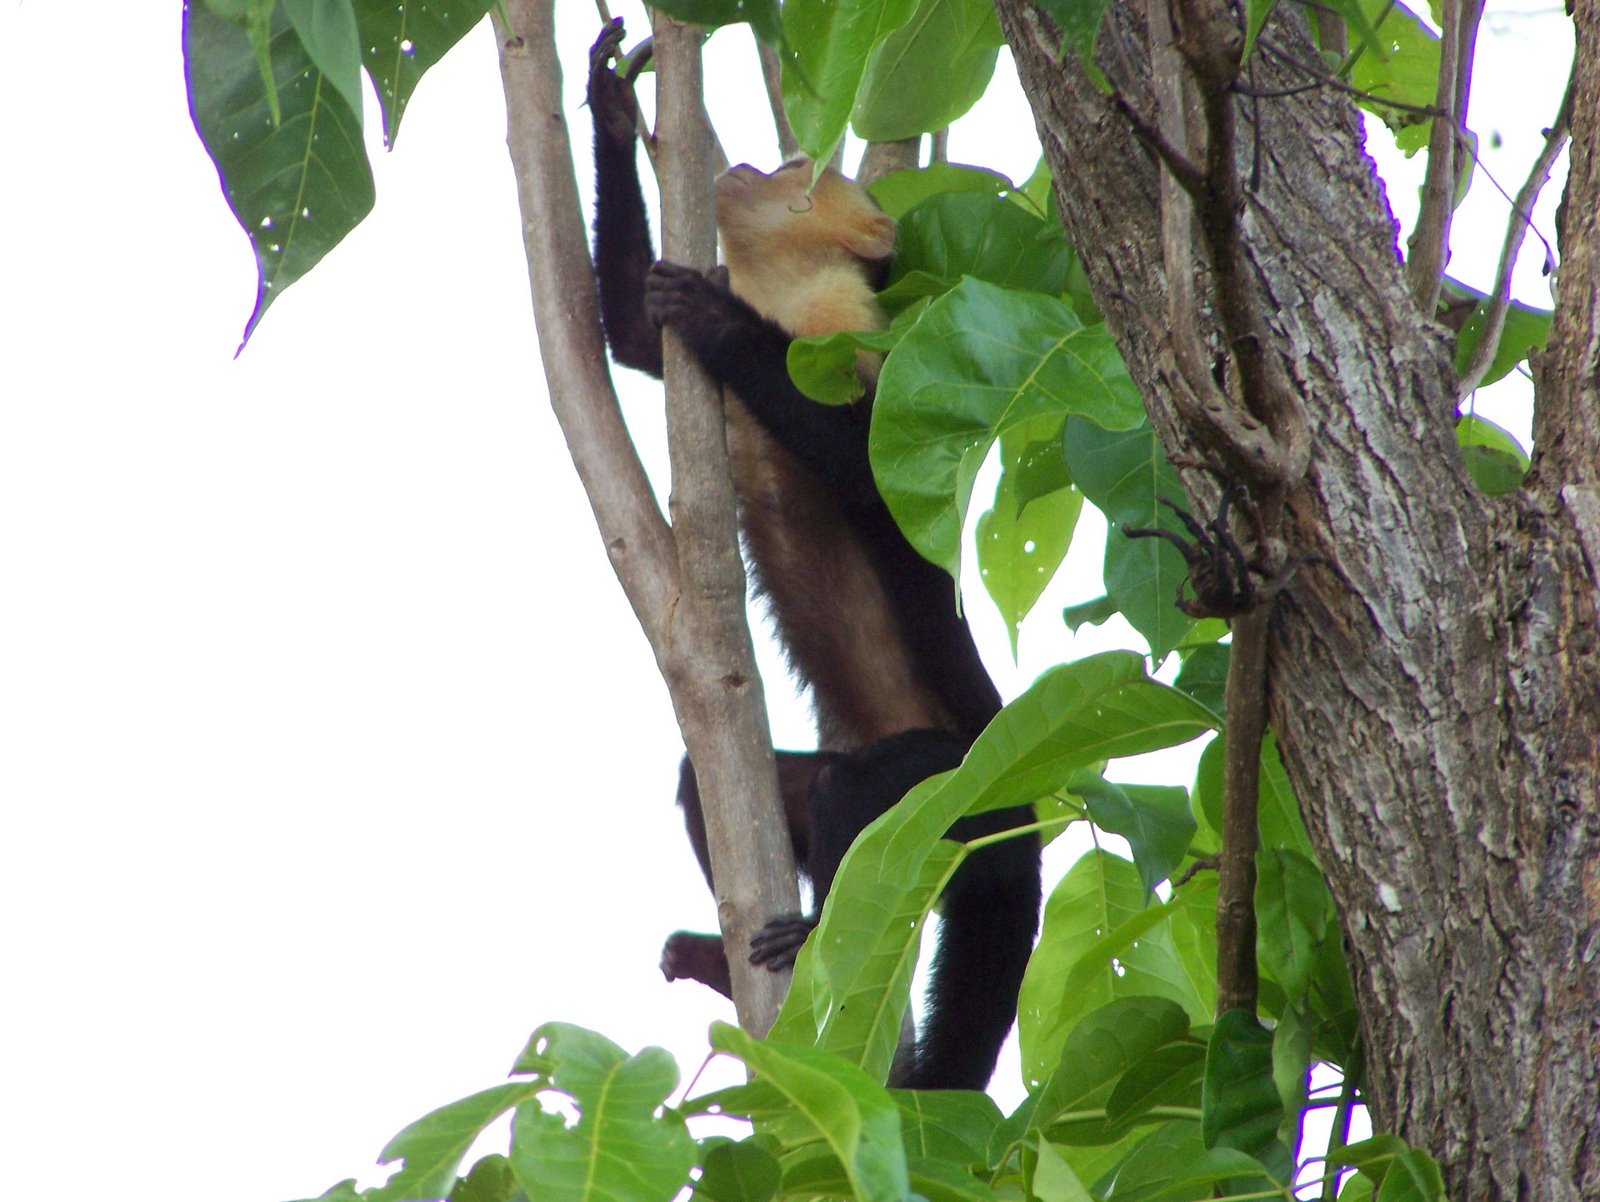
x=332 y=761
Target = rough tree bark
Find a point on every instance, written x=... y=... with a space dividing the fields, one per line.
x=1435 y=682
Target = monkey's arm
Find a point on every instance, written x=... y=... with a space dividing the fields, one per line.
x=622 y=250
x=749 y=354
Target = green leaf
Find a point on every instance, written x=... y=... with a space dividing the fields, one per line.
x=297 y=188
x=1277 y=811
x=1413 y=1177
x=1398 y=62
x=1240 y=1103
x=401 y=39
x=624 y=1144
x=1291 y=1073
x=930 y=71
x=900 y=191
x=1100 y=940
x=1256 y=14
x=1019 y=552
x=491 y=1180
x=1079 y=21
x=1100 y=1049
x=738 y=1171
x=1172 y=1165
x=850 y=1111
x=1090 y=613
x=1294 y=911
x=327 y=29
x=1122 y=473
x=956 y=234
x=1052 y=1179
x=832 y=42
x=1526 y=330
x=953 y=1125
x=825 y=367
x=1193 y=927
x=345 y=1191
x=1495 y=460
x=1372 y=1156
x=981 y=360
x=432 y=1147
x=762 y=15
x=1204 y=676
x=1170 y=1075
x=1154 y=819
x=852 y=980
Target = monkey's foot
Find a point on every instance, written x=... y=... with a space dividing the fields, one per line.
x=687 y=956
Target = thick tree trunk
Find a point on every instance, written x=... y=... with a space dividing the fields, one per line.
x=1436 y=695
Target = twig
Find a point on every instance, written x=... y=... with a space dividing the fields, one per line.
x=1430 y=241
x=1521 y=221
x=772 y=76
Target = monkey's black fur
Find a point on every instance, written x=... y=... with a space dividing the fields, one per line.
x=990 y=909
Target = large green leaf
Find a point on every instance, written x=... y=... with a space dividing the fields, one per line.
x=624 y=1144
x=298 y=186
x=1295 y=912
x=1240 y=1102
x=953 y=1125
x=832 y=41
x=976 y=233
x=930 y=71
x=900 y=191
x=981 y=360
x=1106 y=1044
x=1171 y=1164
x=1101 y=939
x=853 y=1114
x=1123 y=472
x=432 y=1147
x=401 y=39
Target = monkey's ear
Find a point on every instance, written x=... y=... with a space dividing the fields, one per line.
x=869 y=235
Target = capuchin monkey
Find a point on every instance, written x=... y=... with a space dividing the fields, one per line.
x=866 y=622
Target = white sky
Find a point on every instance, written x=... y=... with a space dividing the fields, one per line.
x=332 y=761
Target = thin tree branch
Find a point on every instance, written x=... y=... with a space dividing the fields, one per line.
x=772 y=76
x=882 y=158
x=566 y=311
x=1430 y=241
x=1521 y=221
x=710 y=667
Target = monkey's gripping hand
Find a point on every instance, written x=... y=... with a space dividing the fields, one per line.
x=696 y=306
x=611 y=98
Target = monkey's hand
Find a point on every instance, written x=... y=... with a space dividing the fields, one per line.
x=778 y=943
x=611 y=98
x=692 y=303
